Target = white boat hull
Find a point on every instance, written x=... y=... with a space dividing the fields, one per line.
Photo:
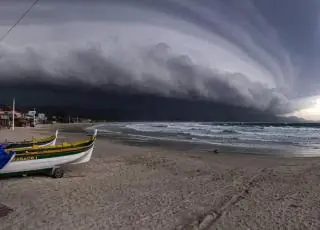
x=52 y=143
x=85 y=158
x=47 y=163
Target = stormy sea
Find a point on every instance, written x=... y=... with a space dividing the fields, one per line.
x=278 y=139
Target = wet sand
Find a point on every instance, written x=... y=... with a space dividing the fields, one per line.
x=134 y=187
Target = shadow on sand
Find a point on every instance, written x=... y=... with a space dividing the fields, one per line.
x=4 y=210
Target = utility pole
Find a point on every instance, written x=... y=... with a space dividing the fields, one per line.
x=34 y=117
x=13 y=112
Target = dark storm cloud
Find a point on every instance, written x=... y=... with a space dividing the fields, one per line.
x=184 y=78
x=295 y=21
x=255 y=54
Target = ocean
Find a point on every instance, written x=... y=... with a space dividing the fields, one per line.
x=299 y=139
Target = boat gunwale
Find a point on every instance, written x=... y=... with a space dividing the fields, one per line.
x=34 y=141
x=30 y=143
x=53 y=149
x=65 y=151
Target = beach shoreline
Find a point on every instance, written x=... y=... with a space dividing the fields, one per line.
x=141 y=187
x=285 y=140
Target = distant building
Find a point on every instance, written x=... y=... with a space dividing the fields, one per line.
x=41 y=118
x=31 y=113
x=20 y=119
x=4 y=119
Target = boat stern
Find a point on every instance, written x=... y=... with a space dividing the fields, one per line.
x=5 y=158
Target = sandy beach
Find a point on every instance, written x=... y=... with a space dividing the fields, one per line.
x=132 y=187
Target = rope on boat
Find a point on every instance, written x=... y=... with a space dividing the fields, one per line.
x=19 y=20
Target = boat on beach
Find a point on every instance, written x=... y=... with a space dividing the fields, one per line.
x=51 y=158
x=41 y=142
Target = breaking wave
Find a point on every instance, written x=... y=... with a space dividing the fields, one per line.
x=285 y=136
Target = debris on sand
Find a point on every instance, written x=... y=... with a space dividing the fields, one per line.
x=4 y=210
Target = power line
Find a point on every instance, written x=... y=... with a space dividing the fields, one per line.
x=19 y=20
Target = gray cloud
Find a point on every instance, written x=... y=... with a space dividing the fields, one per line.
x=164 y=73
x=246 y=53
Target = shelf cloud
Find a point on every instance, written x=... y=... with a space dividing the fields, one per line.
x=243 y=53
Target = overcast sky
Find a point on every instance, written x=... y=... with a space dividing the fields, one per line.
x=253 y=53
